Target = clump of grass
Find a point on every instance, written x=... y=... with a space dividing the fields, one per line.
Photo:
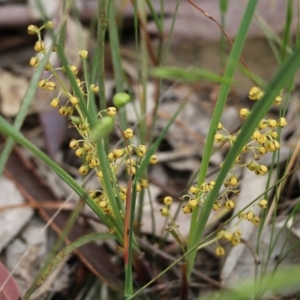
x=115 y=203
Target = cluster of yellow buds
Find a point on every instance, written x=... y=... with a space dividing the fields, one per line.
x=165 y=212
x=39 y=46
x=197 y=196
x=68 y=104
x=234 y=238
x=256 y=94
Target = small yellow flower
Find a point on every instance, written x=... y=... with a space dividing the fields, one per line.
x=237 y=232
x=117 y=153
x=262 y=124
x=48 y=25
x=74 y=100
x=282 y=122
x=39 y=46
x=235 y=240
x=220 y=126
x=272 y=123
x=219 y=138
x=128 y=133
x=164 y=211
x=253 y=93
x=216 y=205
x=249 y=216
x=229 y=204
x=54 y=102
x=83 y=54
x=187 y=209
x=94 y=88
x=193 y=189
x=193 y=203
x=79 y=152
x=74 y=70
x=263 y=203
x=83 y=170
x=262 y=170
x=274 y=134
x=153 y=159
x=34 y=61
x=50 y=85
x=220 y=251
x=255 y=220
x=141 y=150
x=228 y=235
x=94 y=162
x=73 y=144
x=262 y=150
x=144 y=183
x=111 y=111
x=244 y=113
x=63 y=110
x=32 y=29
x=168 y=200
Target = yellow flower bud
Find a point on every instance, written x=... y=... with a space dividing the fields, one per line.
x=168 y=200
x=63 y=110
x=255 y=220
x=263 y=203
x=193 y=203
x=229 y=204
x=94 y=88
x=219 y=138
x=74 y=100
x=111 y=111
x=73 y=144
x=83 y=170
x=32 y=29
x=153 y=160
x=141 y=150
x=54 y=102
x=244 y=113
x=282 y=122
x=220 y=126
x=272 y=123
x=220 y=251
x=128 y=133
x=187 y=209
x=49 y=25
x=254 y=91
x=39 y=46
x=83 y=54
x=34 y=61
x=50 y=85
x=79 y=152
x=193 y=189
x=164 y=211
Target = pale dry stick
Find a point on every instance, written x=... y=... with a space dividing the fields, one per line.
x=225 y=34
x=49 y=205
x=40 y=233
x=282 y=183
x=252 y=250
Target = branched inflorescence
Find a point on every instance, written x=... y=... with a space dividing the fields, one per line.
x=68 y=104
x=263 y=140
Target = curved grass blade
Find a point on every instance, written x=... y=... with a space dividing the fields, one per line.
x=9 y=131
x=95 y=236
x=197 y=223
